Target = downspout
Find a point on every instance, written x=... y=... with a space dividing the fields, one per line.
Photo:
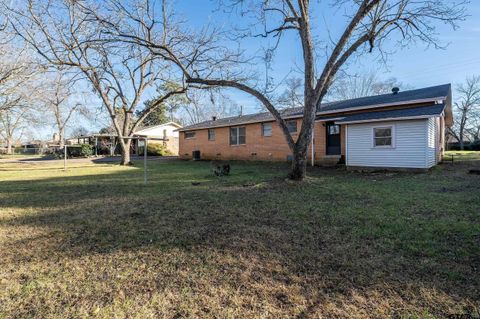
x=346 y=145
x=313 y=145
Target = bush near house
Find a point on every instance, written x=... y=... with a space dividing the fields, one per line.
x=82 y=150
x=156 y=149
x=86 y=150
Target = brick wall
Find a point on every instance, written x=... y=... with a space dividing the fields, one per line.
x=172 y=144
x=257 y=147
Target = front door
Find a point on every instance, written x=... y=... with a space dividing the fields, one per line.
x=333 y=139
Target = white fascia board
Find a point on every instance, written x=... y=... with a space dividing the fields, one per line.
x=390 y=119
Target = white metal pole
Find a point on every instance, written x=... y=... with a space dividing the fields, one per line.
x=65 y=157
x=313 y=146
x=145 y=145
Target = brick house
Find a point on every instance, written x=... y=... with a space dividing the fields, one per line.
x=398 y=130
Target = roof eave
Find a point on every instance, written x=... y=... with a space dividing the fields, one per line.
x=374 y=106
x=183 y=129
x=389 y=119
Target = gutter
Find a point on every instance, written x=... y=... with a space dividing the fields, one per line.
x=391 y=119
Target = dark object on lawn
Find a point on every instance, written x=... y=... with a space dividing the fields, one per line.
x=195 y=183
x=220 y=169
x=474 y=171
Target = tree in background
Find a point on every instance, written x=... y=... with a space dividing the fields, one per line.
x=79 y=131
x=66 y=37
x=292 y=96
x=20 y=82
x=467 y=111
x=347 y=86
x=164 y=112
x=344 y=87
x=13 y=122
x=157 y=117
x=207 y=58
x=18 y=75
x=59 y=102
x=203 y=105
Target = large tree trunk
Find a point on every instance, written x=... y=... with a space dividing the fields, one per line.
x=462 y=146
x=299 y=164
x=9 y=146
x=61 y=137
x=300 y=151
x=125 y=152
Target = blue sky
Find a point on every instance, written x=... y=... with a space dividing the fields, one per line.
x=416 y=66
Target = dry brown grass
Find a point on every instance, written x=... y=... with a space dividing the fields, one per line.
x=94 y=242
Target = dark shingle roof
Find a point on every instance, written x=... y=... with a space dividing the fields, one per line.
x=421 y=111
x=440 y=91
x=401 y=97
x=244 y=119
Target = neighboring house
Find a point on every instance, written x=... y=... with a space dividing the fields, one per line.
x=166 y=133
x=108 y=144
x=103 y=143
x=397 y=130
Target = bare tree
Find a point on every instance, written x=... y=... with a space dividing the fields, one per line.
x=13 y=122
x=292 y=96
x=206 y=60
x=344 y=87
x=58 y=100
x=18 y=74
x=121 y=75
x=79 y=131
x=357 y=85
x=474 y=129
x=19 y=83
x=203 y=105
x=467 y=108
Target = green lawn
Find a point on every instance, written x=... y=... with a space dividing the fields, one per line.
x=17 y=156
x=462 y=155
x=94 y=242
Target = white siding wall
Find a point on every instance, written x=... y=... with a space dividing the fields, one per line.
x=431 y=142
x=157 y=131
x=409 y=151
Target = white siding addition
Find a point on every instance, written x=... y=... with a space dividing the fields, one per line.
x=413 y=145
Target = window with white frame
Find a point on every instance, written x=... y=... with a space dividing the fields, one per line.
x=267 y=129
x=211 y=134
x=189 y=134
x=237 y=135
x=383 y=136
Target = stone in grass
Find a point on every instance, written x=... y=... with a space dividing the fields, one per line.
x=474 y=171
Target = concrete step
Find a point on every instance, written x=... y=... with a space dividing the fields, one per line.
x=327 y=161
